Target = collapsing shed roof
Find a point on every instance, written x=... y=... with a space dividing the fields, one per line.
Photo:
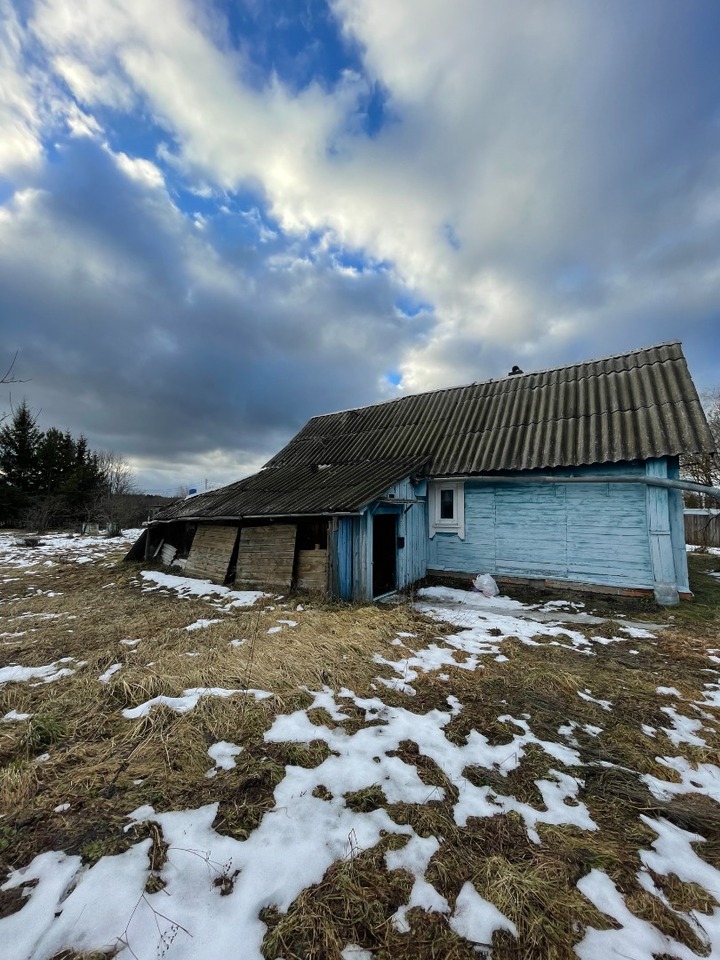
x=629 y=407
x=633 y=406
x=297 y=490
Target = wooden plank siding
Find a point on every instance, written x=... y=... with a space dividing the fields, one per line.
x=703 y=528
x=312 y=570
x=580 y=533
x=607 y=534
x=211 y=551
x=413 y=529
x=342 y=545
x=531 y=523
x=355 y=541
x=266 y=556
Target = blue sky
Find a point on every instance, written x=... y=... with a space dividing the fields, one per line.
x=222 y=220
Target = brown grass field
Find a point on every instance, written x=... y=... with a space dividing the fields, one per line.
x=104 y=765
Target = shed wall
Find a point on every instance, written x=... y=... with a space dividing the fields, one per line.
x=354 y=547
x=413 y=529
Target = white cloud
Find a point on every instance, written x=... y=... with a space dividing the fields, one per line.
x=536 y=186
x=92 y=87
x=137 y=168
x=20 y=146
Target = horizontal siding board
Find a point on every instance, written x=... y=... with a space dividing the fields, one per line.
x=580 y=533
x=311 y=570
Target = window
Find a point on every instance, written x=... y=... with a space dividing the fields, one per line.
x=447 y=508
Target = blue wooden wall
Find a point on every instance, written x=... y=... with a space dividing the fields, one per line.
x=354 y=542
x=625 y=535
x=677 y=527
x=588 y=533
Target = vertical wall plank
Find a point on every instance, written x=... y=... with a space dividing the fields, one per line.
x=661 y=548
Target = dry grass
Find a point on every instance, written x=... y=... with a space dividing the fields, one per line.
x=104 y=765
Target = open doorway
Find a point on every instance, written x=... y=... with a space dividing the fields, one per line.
x=384 y=553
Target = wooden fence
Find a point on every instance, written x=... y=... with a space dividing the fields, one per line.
x=702 y=527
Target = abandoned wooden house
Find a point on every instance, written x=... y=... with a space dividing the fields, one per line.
x=562 y=477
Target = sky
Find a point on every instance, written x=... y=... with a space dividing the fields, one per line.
x=219 y=218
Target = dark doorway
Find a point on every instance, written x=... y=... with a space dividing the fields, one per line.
x=384 y=553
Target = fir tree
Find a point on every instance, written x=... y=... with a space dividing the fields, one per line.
x=19 y=441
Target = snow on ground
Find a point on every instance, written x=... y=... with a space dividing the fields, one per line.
x=45 y=674
x=486 y=623
x=201 y=624
x=189 y=587
x=476 y=919
x=62 y=547
x=110 y=672
x=223 y=753
x=189 y=700
x=215 y=886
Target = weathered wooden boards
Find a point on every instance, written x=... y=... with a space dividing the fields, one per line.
x=211 y=551
x=265 y=556
x=702 y=527
x=311 y=570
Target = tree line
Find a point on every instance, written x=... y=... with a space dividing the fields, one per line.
x=52 y=479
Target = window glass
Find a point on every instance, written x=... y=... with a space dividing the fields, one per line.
x=447 y=504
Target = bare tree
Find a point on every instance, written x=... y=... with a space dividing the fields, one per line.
x=116 y=505
x=705 y=467
x=117 y=472
x=9 y=377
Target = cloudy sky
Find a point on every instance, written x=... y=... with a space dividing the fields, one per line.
x=220 y=217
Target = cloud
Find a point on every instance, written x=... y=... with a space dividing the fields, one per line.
x=152 y=342
x=223 y=247
x=19 y=120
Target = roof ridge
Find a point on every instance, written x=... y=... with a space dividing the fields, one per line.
x=518 y=376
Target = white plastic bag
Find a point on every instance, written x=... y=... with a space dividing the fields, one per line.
x=485 y=585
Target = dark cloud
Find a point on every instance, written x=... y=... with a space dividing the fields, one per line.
x=548 y=191
x=137 y=332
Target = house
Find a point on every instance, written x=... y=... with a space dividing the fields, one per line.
x=562 y=477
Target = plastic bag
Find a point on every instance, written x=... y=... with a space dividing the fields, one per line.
x=484 y=584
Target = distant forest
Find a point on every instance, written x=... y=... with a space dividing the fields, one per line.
x=52 y=479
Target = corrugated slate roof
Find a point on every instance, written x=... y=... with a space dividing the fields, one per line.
x=297 y=490
x=626 y=407
x=632 y=406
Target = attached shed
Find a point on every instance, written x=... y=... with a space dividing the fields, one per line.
x=299 y=526
x=563 y=476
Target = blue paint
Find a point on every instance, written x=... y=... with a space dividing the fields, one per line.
x=353 y=542
x=587 y=533
x=658 y=525
x=343 y=548
x=677 y=528
x=612 y=534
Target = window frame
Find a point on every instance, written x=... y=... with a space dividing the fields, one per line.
x=455 y=524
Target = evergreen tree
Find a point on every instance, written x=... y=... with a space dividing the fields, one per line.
x=56 y=460
x=49 y=479
x=19 y=441
x=85 y=485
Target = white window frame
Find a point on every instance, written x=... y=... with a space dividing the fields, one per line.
x=438 y=524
